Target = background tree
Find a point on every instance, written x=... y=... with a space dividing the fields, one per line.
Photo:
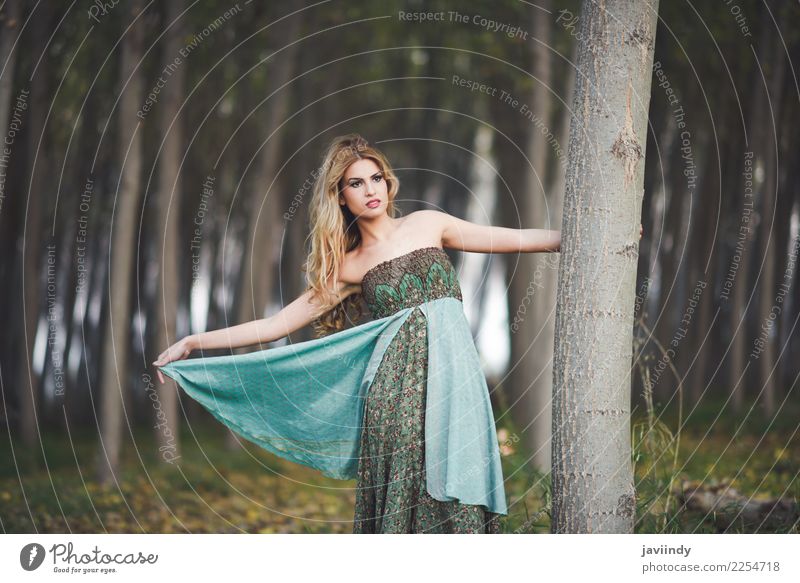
x=170 y=199
x=117 y=350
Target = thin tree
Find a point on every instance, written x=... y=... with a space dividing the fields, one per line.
x=123 y=252
x=10 y=13
x=757 y=126
x=531 y=345
x=592 y=473
x=169 y=203
x=38 y=161
x=261 y=249
x=10 y=31
x=262 y=199
x=768 y=243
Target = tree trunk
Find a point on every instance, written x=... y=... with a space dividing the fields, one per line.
x=696 y=350
x=10 y=23
x=675 y=237
x=169 y=205
x=38 y=153
x=547 y=266
x=787 y=276
x=768 y=304
x=116 y=348
x=531 y=342
x=263 y=199
x=592 y=474
x=745 y=228
x=262 y=247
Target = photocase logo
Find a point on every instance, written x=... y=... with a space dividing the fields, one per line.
x=31 y=556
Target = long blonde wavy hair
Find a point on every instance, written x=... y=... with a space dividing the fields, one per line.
x=333 y=228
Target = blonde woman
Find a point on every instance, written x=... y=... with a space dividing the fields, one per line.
x=399 y=403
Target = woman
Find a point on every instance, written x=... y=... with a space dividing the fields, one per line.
x=412 y=422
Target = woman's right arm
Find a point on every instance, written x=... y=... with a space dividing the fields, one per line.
x=292 y=317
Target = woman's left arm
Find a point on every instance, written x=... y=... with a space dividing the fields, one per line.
x=466 y=236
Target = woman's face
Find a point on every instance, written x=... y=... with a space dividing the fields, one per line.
x=364 y=189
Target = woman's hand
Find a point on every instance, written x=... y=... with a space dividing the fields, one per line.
x=178 y=351
x=641 y=231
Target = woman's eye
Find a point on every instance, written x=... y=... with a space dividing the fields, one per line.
x=358 y=183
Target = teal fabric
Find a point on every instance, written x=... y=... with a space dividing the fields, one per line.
x=305 y=401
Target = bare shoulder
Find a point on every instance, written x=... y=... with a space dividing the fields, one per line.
x=426 y=227
x=428 y=218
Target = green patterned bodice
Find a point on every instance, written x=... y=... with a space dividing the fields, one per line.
x=409 y=280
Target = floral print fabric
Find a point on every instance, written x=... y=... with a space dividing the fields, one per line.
x=391 y=494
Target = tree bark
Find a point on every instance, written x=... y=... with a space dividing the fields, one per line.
x=531 y=344
x=116 y=349
x=169 y=204
x=10 y=15
x=767 y=365
x=675 y=237
x=38 y=152
x=696 y=351
x=262 y=247
x=592 y=473
x=742 y=292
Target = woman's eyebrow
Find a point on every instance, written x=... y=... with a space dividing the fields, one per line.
x=359 y=178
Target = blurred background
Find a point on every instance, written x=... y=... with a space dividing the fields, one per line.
x=155 y=173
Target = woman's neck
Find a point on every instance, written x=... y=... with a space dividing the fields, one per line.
x=375 y=232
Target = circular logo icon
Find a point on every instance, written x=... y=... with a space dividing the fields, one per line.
x=31 y=556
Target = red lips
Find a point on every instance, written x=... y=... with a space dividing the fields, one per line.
x=373 y=204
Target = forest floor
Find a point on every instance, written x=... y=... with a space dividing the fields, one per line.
x=214 y=490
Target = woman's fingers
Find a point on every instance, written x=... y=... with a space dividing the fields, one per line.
x=161 y=377
x=181 y=352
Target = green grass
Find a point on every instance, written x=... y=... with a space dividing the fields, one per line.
x=250 y=490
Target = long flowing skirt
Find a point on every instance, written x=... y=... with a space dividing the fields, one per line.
x=391 y=495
